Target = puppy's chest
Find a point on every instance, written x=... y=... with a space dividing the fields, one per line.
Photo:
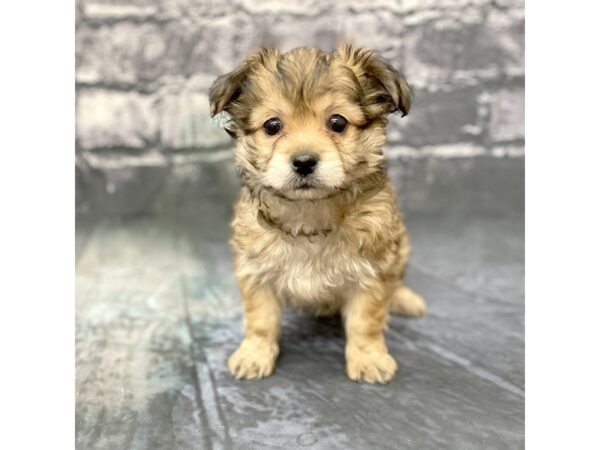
x=309 y=269
x=308 y=253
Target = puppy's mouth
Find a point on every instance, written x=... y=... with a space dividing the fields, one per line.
x=299 y=185
x=304 y=184
x=308 y=188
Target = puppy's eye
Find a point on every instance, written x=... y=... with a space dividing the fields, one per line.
x=337 y=123
x=272 y=126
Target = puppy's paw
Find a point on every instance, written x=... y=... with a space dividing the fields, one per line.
x=407 y=303
x=255 y=358
x=370 y=367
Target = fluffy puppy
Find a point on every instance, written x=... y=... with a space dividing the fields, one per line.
x=317 y=225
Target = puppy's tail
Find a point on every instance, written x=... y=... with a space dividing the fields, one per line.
x=407 y=303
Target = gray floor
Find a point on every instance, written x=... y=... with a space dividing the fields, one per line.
x=158 y=314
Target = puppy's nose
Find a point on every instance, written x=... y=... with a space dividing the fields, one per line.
x=305 y=162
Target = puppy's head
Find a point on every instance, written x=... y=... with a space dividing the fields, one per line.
x=308 y=123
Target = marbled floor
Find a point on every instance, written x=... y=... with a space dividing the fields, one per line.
x=157 y=314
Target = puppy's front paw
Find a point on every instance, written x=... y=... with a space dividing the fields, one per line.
x=255 y=358
x=370 y=367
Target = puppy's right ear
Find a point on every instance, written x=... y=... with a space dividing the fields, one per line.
x=226 y=89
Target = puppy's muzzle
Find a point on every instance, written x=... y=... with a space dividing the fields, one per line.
x=304 y=163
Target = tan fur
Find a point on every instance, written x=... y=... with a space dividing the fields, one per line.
x=338 y=246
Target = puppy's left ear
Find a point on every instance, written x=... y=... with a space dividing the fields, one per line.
x=385 y=90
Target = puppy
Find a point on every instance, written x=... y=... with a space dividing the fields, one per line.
x=317 y=225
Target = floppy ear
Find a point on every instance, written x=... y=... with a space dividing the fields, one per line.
x=385 y=90
x=227 y=88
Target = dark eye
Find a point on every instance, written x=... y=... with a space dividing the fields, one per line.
x=272 y=126
x=337 y=123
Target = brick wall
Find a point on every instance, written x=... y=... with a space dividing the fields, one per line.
x=144 y=68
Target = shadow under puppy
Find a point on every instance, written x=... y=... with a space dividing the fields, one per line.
x=317 y=225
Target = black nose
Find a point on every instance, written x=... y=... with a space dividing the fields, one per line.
x=305 y=162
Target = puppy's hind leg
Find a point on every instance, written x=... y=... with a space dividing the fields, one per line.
x=407 y=303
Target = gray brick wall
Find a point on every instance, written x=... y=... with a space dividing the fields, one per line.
x=144 y=68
